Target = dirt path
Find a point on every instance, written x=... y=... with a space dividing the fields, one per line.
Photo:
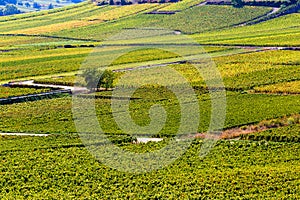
x=31 y=83
x=236 y=132
x=274 y=10
x=25 y=134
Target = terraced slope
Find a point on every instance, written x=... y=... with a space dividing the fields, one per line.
x=92 y=22
x=282 y=31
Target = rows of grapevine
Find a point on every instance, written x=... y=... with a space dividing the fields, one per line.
x=181 y=5
x=200 y=19
x=284 y=134
x=60 y=167
x=77 y=17
x=52 y=60
x=253 y=70
x=60 y=80
x=292 y=87
x=6 y=92
x=276 y=32
x=241 y=109
x=13 y=42
x=41 y=13
x=33 y=62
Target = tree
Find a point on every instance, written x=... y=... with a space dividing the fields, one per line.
x=10 y=10
x=111 y=2
x=237 y=3
x=75 y=1
x=107 y=79
x=27 y=4
x=95 y=79
x=36 y=5
x=123 y=2
x=1 y=12
x=50 y=6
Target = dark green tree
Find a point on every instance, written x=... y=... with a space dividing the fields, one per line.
x=107 y=79
x=50 y=6
x=10 y=10
x=237 y=3
x=111 y=2
x=96 y=79
x=36 y=5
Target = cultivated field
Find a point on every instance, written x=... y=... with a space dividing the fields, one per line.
x=260 y=69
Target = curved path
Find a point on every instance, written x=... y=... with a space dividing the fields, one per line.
x=139 y=140
x=29 y=83
x=25 y=134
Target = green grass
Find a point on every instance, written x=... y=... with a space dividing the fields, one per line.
x=59 y=167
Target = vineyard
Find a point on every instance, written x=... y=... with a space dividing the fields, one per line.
x=292 y=87
x=285 y=134
x=6 y=92
x=200 y=20
x=257 y=154
x=58 y=119
x=276 y=32
x=60 y=167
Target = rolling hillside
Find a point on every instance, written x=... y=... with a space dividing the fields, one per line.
x=255 y=154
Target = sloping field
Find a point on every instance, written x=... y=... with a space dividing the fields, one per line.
x=51 y=46
x=60 y=167
x=282 y=31
x=84 y=15
x=197 y=19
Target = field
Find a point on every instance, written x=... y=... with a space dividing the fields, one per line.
x=259 y=75
x=292 y=87
x=58 y=119
x=59 y=167
x=198 y=22
x=6 y=92
x=276 y=32
x=285 y=134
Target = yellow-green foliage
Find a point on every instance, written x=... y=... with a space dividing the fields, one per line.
x=279 y=31
x=84 y=15
x=292 y=87
x=6 y=92
x=245 y=71
x=181 y=5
